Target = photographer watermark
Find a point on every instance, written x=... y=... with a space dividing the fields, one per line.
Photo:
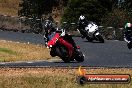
x=102 y=78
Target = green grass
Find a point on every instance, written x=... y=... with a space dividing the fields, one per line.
x=8 y=51
x=9 y=7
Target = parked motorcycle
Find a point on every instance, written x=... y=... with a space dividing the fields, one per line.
x=61 y=46
x=91 y=33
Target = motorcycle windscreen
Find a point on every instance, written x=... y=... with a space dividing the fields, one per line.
x=92 y=27
x=53 y=39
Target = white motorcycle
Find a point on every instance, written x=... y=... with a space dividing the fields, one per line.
x=92 y=33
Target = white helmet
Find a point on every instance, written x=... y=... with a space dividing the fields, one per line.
x=128 y=25
x=81 y=17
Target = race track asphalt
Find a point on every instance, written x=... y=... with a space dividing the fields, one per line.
x=112 y=53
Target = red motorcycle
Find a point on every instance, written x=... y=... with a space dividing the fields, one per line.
x=63 y=48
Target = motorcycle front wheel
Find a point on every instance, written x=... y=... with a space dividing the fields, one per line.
x=53 y=52
x=100 y=38
x=79 y=57
x=63 y=54
x=129 y=45
x=89 y=39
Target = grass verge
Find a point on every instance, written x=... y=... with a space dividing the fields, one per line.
x=5 y=50
x=9 y=7
x=14 y=51
x=54 y=78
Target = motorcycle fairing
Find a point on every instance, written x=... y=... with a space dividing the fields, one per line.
x=52 y=42
x=68 y=45
x=91 y=27
x=56 y=37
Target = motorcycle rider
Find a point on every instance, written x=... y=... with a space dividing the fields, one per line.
x=82 y=23
x=128 y=32
x=49 y=29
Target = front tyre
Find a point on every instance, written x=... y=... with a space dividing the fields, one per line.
x=129 y=45
x=79 y=57
x=63 y=54
x=100 y=38
x=89 y=39
x=52 y=52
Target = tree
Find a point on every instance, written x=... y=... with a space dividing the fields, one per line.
x=92 y=9
x=107 y=4
x=36 y=8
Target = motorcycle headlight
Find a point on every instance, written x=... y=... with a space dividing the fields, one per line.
x=50 y=46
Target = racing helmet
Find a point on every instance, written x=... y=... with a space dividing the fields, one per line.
x=81 y=18
x=128 y=26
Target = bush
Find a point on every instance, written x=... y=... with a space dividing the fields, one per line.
x=92 y=9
